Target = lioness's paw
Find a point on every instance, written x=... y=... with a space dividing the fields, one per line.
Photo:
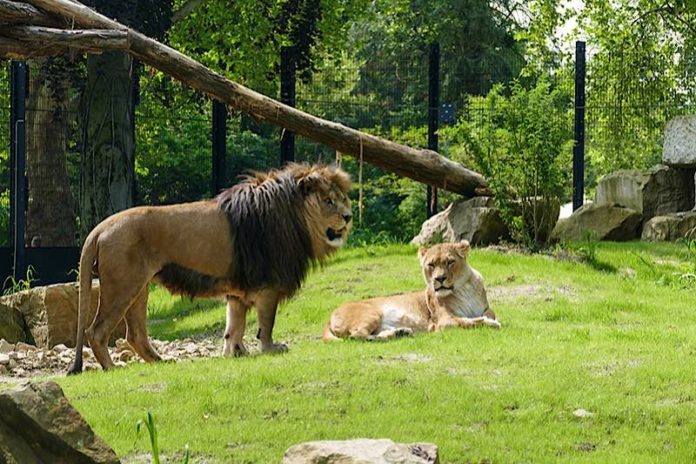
x=275 y=348
x=404 y=332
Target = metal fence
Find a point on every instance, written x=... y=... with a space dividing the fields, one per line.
x=624 y=120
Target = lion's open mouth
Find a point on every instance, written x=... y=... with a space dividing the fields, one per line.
x=333 y=234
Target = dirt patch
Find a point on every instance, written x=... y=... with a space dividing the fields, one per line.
x=26 y=361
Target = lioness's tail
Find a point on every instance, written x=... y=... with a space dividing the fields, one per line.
x=89 y=253
x=328 y=335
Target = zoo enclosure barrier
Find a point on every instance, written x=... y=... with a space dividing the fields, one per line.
x=409 y=98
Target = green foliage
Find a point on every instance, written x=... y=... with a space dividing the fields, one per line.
x=13 y=286
x=4 y=217
x=522 y=146
x=149 y=424
x=640 y=77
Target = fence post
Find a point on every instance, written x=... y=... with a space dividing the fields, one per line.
x=18 y=187
x=287 y=96
x=219 y=136
x=579 y=147
x=433 y=117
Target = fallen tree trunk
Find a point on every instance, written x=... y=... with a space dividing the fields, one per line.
x=422 y=165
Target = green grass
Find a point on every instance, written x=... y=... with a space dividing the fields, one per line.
x=620 y=344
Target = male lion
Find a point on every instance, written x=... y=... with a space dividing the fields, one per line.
x=454 y=297
x=254 y=244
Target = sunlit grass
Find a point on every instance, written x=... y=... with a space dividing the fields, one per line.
x=620 y=344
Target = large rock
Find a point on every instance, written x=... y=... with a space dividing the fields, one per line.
x=475 y=220
x=361 y=451
x=653 y=192
x=12 y=326
x=679 y=147
x=670 y=228
x=38 y=424
x=603 y=222
x=50 y=313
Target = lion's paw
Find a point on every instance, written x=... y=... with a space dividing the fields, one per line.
x=491 y=322
x=275 y=348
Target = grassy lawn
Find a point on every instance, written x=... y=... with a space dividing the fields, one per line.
x=619 y=343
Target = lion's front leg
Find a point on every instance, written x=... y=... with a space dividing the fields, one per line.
x=234 y=330
x=266 y=307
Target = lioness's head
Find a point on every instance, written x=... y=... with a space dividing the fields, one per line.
x=327 y=206
x=444 y=266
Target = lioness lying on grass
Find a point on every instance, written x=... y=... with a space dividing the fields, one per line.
x=454 y=297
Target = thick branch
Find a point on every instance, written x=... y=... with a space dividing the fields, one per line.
x=22 y=13
x=18 y=50
x=422 y=165
x=77 y=38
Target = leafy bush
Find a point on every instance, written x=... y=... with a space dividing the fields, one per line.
x=523 y=147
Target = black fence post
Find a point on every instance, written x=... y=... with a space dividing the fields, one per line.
x=579 y=148
x=219 y=136
x=18 y=187
x=287 y=96
x=433 y=117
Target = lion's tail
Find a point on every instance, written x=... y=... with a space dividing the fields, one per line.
x=89 y=253
x=328 y=335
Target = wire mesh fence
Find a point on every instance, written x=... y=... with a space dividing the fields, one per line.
x=629 y=100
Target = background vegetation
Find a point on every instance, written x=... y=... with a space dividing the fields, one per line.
x=507 y=69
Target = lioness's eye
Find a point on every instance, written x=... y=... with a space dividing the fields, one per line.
x=431 y=266
x=450 y=263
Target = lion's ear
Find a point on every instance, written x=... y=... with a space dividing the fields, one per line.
x=463 y=248
x=311 y=183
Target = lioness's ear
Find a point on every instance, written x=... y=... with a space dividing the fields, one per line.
x=311 y=183
x=463 y=248
x=422 y=251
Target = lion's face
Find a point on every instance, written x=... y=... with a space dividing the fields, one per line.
x=329 y=215
x=444 y=265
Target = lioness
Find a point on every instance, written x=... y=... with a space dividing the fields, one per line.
x=454 y=297
x=254 y=244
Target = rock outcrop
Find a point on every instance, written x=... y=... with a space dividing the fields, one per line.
x=361 y=451
x=671 y=227
x=50 y=313
x=38 y=424
x=602 y=221
x=476 y=220
x=652 y=192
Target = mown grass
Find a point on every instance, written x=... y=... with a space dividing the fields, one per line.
x=620 y=344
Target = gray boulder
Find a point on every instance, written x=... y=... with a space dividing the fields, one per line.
x=679 y=147
x=671 y=227
x=602 y=221
x=38 y=424
x=476 y=220
x=361 y=451
x=653 y=192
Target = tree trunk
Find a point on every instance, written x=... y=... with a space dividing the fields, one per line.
x=108 y=145
x=50 y=214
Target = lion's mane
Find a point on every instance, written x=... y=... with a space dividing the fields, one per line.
x=271 y=239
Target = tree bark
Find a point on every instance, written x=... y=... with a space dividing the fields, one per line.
x=50 y=214
x=107 y=136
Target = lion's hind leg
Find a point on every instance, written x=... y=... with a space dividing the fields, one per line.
x=136 y=328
